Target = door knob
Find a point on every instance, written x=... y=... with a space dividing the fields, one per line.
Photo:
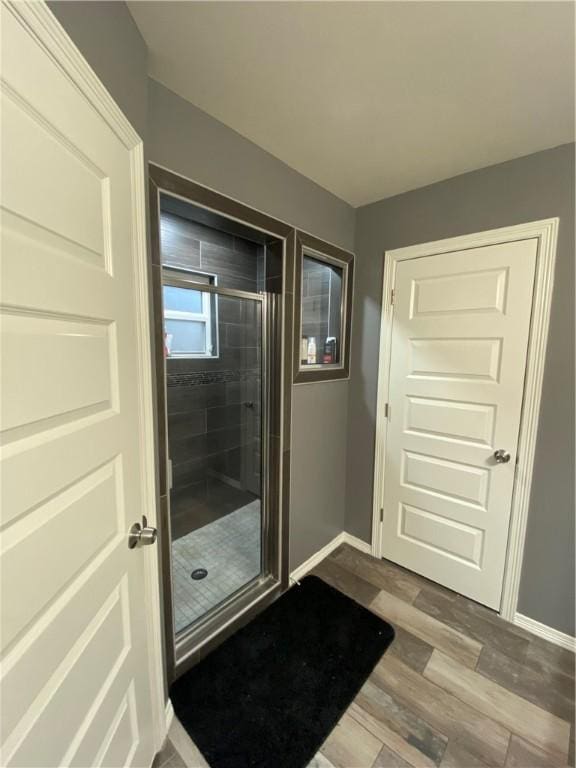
x=141 y=535
x=501 y=456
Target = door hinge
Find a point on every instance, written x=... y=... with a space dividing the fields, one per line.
x=381 y=515
x=387 y=411
x=392 y=297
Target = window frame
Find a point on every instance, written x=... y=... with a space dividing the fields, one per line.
x=312 y=247
x=182 y=277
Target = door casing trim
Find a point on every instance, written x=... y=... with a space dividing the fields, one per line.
x=43 y=25
x=546 y=232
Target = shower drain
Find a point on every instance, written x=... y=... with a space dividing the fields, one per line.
x=199 y=573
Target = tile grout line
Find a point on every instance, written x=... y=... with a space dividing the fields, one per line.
x=496 y=723
x=511 y=731
x=507 y=749
x=506 y=727
x=350 y=569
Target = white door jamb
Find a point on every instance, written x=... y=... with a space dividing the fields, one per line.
x=546 y=232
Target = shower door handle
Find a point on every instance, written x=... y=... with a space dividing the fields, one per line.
x=142 y=535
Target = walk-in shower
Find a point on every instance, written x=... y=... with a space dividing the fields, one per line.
x=218 y=310
x=215 y=396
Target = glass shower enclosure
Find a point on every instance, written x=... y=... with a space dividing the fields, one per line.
x=217 y=295
x=215 y=399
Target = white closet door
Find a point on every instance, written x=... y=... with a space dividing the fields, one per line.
x=458 y=358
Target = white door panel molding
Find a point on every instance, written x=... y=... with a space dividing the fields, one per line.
x=82 y=679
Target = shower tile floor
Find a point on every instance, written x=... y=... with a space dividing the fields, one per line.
x=229 y=549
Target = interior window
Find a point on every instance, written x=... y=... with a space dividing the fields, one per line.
x=321 y=336
x=324 y=277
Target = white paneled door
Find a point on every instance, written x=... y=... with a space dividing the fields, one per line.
x=77 y=680
x=460 y=332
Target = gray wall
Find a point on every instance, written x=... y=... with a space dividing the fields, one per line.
x=185 y=139
x=530 y=188
x=188 y=141
x=109 y=39
x=319 y=439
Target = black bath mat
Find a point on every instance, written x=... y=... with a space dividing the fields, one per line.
x=269 y=695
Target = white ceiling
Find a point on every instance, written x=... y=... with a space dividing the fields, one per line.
x=370 y=99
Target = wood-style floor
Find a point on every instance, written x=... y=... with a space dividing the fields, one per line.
x=458 y=688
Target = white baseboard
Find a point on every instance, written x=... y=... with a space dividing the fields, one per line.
x=312 y=562
x=531 y=625
x=548 y=633
x=354 y=541
x=169 y=715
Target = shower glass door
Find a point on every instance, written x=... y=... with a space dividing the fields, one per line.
x=214 y=375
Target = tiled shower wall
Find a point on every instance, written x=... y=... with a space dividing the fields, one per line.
x=321 y=296
x=213 y=404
